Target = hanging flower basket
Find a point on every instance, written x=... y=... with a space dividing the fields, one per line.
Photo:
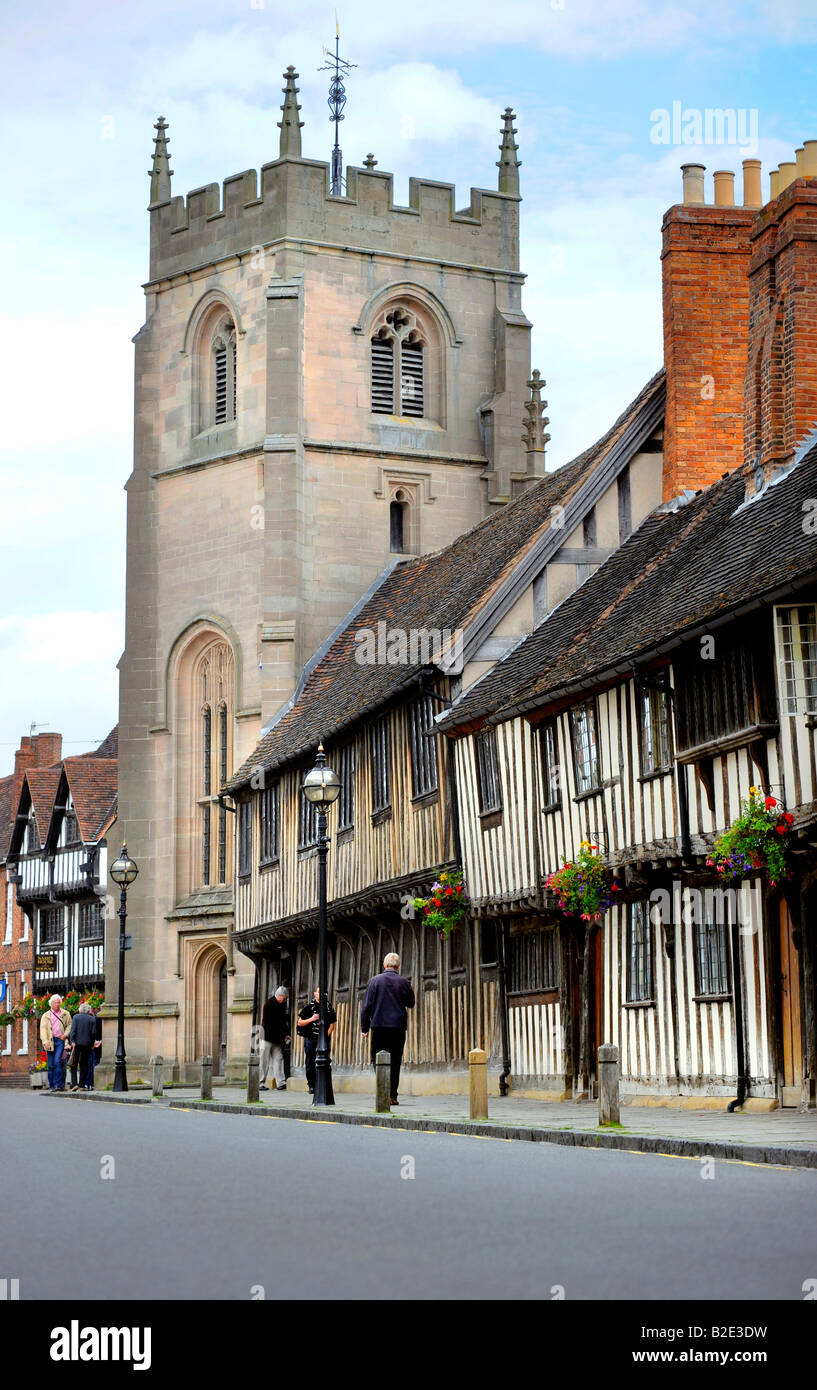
x=32 y=1007
x=757 y=839
x=584 y=886
x=447 y=905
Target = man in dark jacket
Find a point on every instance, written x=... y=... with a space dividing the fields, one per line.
x=81 y=1039
x=275 y=1023
x=384 y=1012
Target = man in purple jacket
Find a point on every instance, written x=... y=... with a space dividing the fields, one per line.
x=384 y=1012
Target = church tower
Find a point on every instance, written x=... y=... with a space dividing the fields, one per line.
x=324 y=380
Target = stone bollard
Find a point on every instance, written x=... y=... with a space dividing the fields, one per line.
x=478 y=1083
x=608 y=1085
x=207 y=1078
x=156 y=1063
x=253 y=1077
x=382 y=1083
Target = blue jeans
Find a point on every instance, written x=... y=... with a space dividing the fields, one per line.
x=55 y=1060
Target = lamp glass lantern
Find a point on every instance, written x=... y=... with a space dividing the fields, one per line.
x=123 y=870
x=321 y=784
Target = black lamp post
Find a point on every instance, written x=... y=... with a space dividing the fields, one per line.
x=123 y=872
x=322 y=787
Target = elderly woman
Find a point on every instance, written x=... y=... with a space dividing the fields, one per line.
x=55 y=1026
x=81 y=1038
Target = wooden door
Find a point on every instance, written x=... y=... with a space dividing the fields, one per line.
x=791 y=1050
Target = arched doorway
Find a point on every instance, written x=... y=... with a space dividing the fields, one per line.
x=209 y=1006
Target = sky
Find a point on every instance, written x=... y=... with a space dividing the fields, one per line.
x=84 y=83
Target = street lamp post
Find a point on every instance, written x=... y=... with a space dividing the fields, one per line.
x=123 y=872
x=322 y=788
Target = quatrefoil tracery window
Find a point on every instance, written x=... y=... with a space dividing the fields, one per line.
x=398 y=364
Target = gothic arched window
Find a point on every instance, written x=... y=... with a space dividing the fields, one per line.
x=398 y=364
x=214 y=687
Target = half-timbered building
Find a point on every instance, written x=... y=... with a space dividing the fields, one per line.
x=636 y=719
x=371 y=694
x=59 y=851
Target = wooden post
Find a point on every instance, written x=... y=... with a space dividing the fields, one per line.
x=608 y=1085
x=382 y=1083
x=478 y=1083
x=207 y=1078
x=156 y=1063
x=253 y=1077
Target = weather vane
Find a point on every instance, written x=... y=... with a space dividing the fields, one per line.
x=337 y=100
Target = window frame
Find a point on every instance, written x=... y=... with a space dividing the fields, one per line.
x=425 y=772
x=712 y=969
x=269 y=848
x=640 y=981
x=84 y=936
x=489 y=780
x=307 y=817
x=47 y=915
x=245 y=837
x=653 y=698
x=380 y=765
x=550 y=726
x=590 y=708
x=346 y=798
x=533 y=962
x=793 y=677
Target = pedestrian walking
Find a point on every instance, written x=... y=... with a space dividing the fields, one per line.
x=81 y=1039
x=96 y=1050
x=55 y=1025
x=309 y=1028
x=385 y=1002
x=275 y=1027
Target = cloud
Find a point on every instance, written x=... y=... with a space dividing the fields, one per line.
x=64 y=666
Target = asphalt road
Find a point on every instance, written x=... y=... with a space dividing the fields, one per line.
x=210 y=1206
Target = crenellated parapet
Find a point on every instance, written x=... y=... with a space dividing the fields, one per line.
x=291 y=199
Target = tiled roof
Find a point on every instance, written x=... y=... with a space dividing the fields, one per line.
x=7 y=813
x=681 y=569
x=42 y=785
x=436 y=592
x=109 y=747
x=92 y=782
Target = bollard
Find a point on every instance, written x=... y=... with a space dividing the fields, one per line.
x=156 y=1063
x=478 y=1083
x=207 y=1078
x=608 y=1085
x=382 y=1083
x=253 y=1077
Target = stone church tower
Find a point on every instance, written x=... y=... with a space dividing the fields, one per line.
x=322 y=382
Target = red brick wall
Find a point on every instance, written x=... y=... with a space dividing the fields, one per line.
x=781 y=380
x=705 y=262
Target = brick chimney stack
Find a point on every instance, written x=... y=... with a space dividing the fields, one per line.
x=47 y=749
x=781 y=380
x=705 y=263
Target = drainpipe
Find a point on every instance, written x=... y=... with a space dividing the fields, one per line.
x=737 y=966
x=503 y=1007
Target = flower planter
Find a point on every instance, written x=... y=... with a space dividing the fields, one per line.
x=37 y=1080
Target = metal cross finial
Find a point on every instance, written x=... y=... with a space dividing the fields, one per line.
x=340 y=68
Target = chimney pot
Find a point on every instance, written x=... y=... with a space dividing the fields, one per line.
x=724 y=188
x=810 y=159
x=799 y=155
x=752 y=193
x=788 y=173
x=774 y=183
x=693 y=175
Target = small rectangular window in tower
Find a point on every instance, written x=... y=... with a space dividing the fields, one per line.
x=382 y=376
x=411 y=379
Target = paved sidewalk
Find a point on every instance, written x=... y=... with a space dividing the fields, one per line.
x=782 y=1136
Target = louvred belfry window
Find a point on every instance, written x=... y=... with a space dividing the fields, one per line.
x=224 y=369
x=398 y=366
